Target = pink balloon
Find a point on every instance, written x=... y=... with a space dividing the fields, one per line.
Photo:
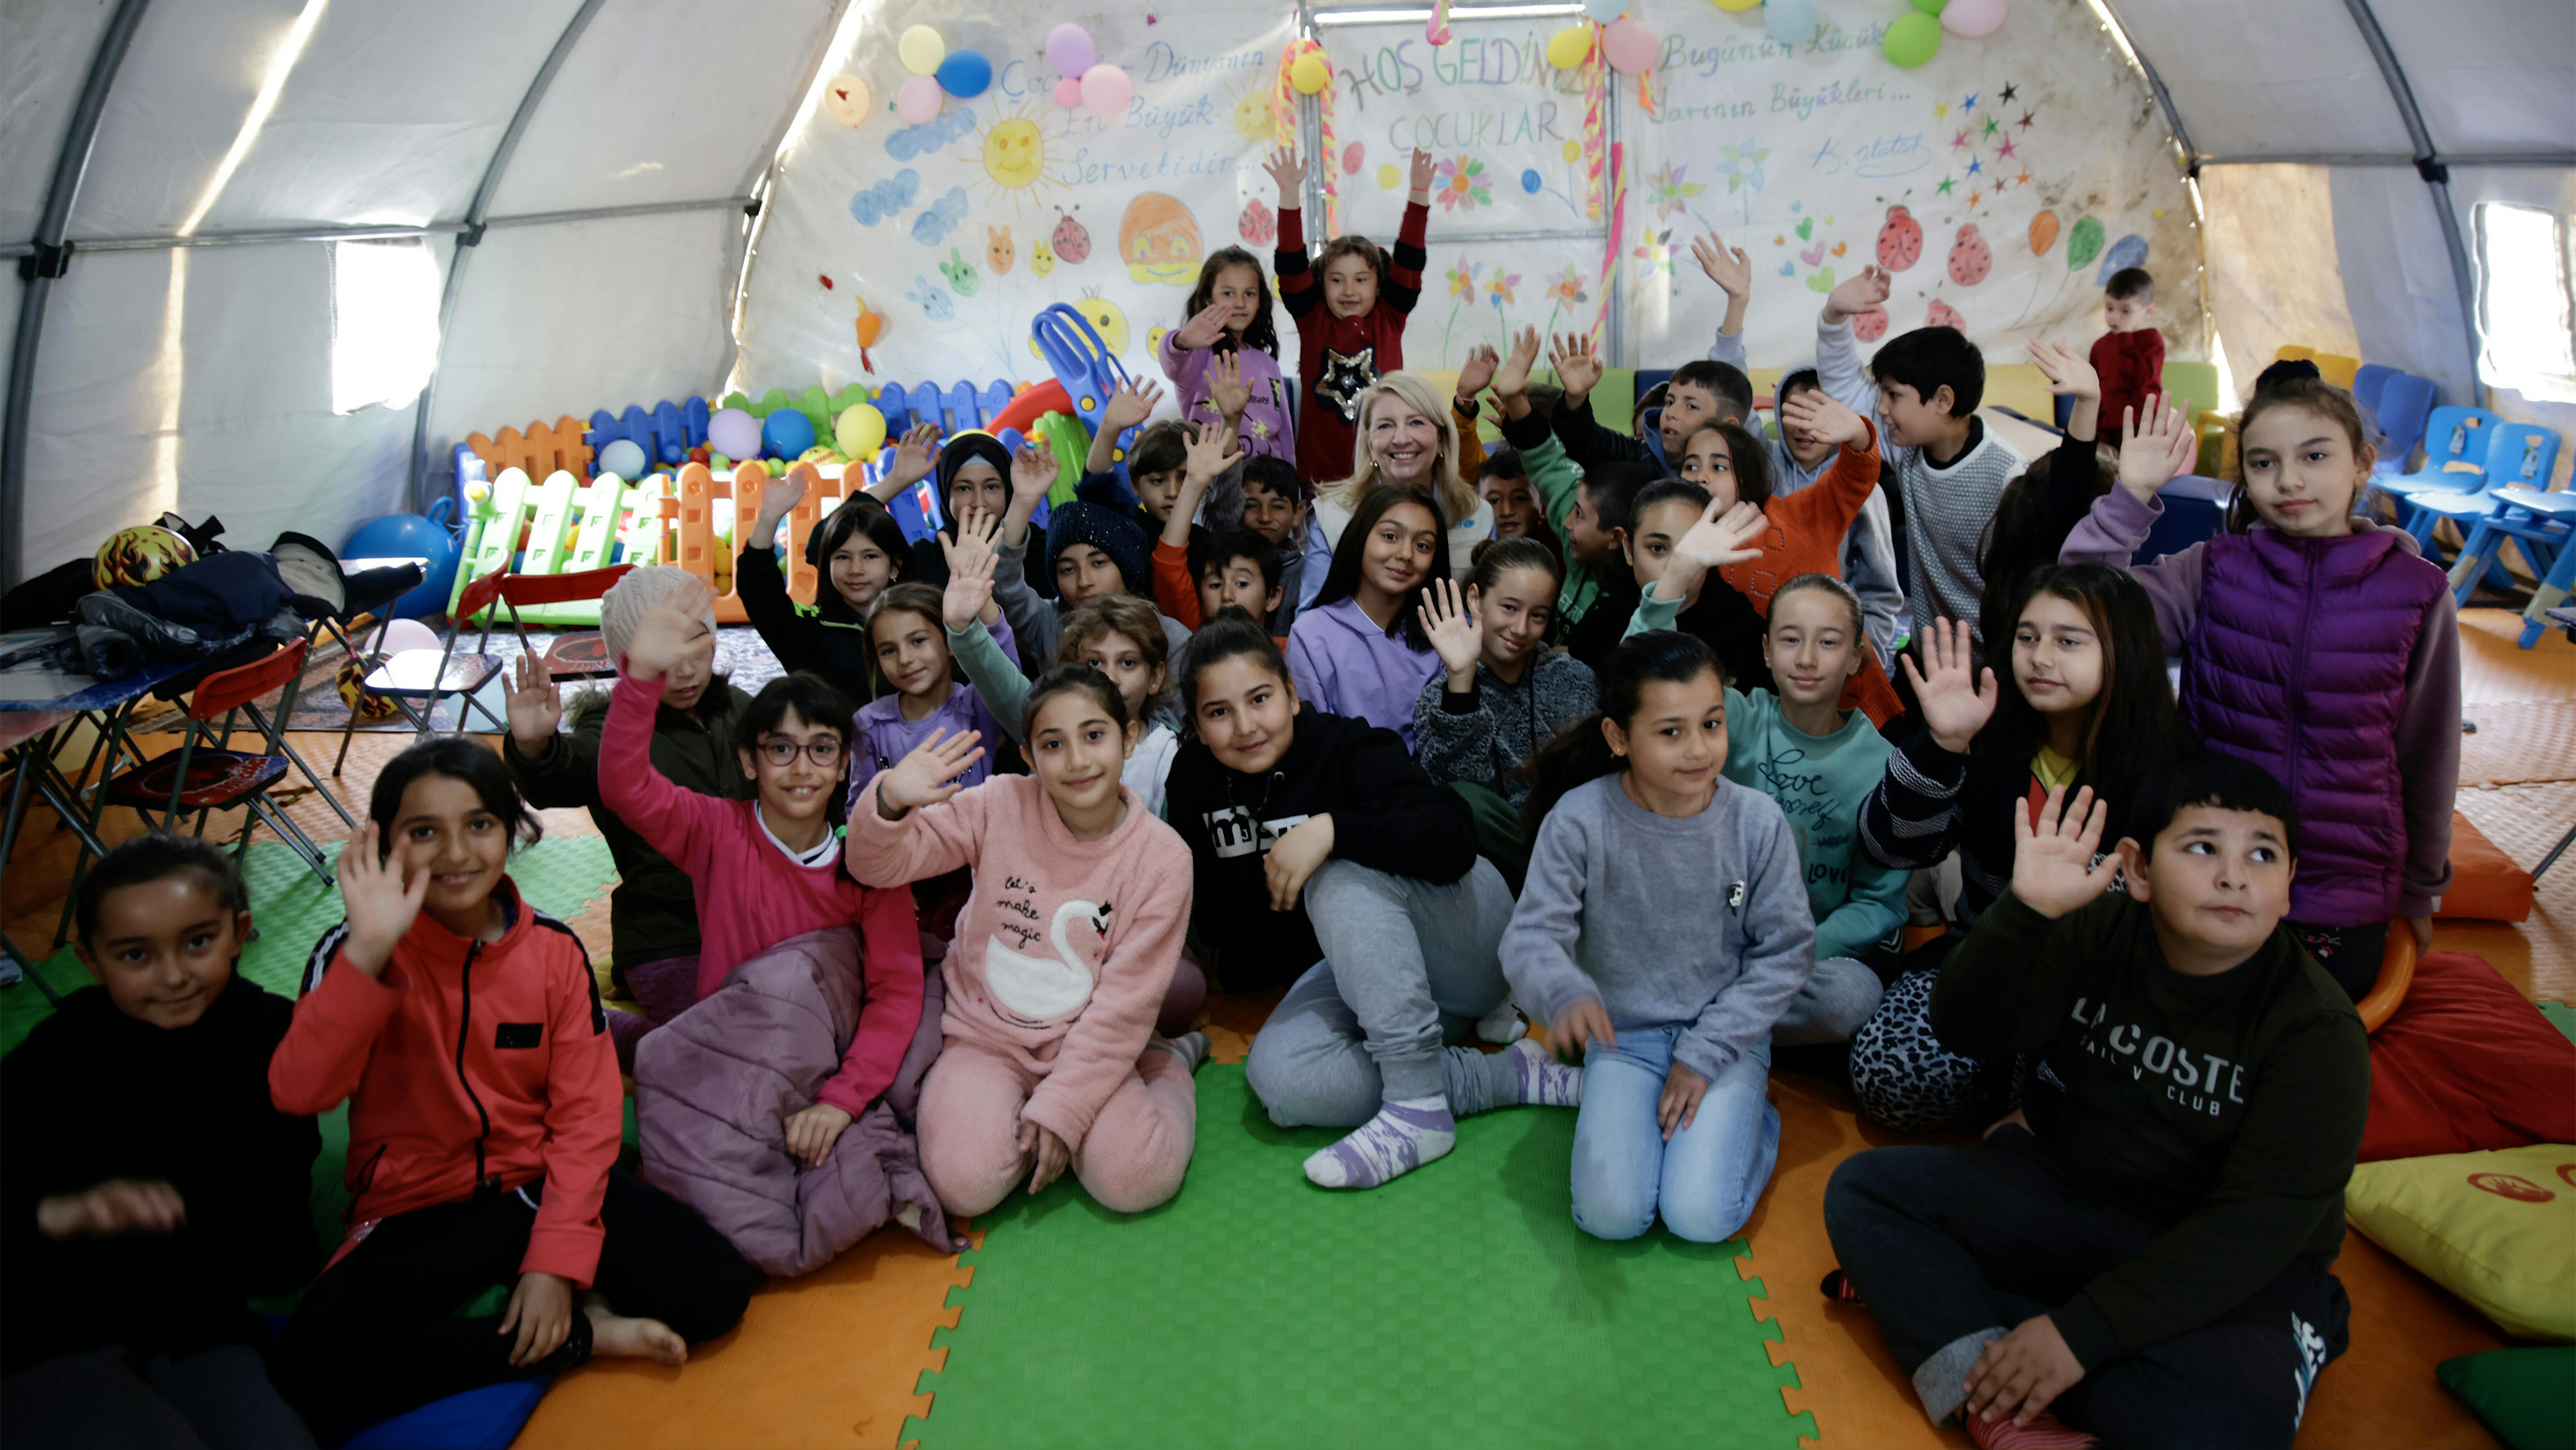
x=1068 y=92
x=1972 y=19
x=1629 y=46
x=918 y=100
x=1107 y=90
x=1069 y=51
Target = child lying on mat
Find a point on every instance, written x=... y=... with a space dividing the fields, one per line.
x=152 y=1188
x=2142 y=1249
x=464 y=1029
x=1663 y=935
x=1062 y=957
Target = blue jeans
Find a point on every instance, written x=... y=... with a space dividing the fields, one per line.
x=1706 y=1180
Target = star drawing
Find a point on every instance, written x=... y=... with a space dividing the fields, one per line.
x=2009 y=90
x=1975 y=166
x=1971 y=103
x=1944 y=188
x=2005 y=149
x=2025 y=120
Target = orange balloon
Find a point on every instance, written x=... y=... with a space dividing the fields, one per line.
x=871 y=326
x=2043 y=233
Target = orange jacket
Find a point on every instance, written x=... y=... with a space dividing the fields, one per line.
x=1806 y=537
x=466 y=1063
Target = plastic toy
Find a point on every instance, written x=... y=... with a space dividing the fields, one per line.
x=434 y=537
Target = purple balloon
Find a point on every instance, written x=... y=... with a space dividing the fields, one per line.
x=1069 y=51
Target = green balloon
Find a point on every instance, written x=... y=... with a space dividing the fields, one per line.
x=2084 y=243
x=1912 y=39
x=1930 y=7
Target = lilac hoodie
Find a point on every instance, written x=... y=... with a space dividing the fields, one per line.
x=885 y=737
x=1266 y=429
x=1343 y=664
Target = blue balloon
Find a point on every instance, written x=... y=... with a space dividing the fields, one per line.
x=2128 y=251
x=786 y=434
x=1791 y=22
x=965 y=74
x=410 y=536
x=1530 y=182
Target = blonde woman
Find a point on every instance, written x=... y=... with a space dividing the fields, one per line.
x=1407 y=438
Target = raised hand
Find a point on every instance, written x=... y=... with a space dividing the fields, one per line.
x=1454 y=631
x=912 y=456
x=1226 y=387
x=1821 y=418
x=113 y=1209
x=382 y=899
x=1130 y=405
x=1577 y=366
x=929 y=774
x=1721 y=537
x=812 y=1132
x=1287 y=172
x=1860 y=292
x=1033 y=472
x=1726 y=266
x=2070 y=373
x=1203 y=328
x=1421 y=169
x=536 y=707
x=970 y=583
x=778 y=498
x=669 y=632
x=1954 y=700
x=2053 y=870
x=2154 y=448
x=1209 y=452
x=1476 y=372
x=1511 y=379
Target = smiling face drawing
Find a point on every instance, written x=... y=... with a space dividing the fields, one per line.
x=1012 y=153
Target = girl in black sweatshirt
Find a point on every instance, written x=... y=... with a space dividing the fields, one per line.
x=1321 y=852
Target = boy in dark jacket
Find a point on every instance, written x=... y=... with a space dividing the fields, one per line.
x=2143 y=1248
x=151 y=1188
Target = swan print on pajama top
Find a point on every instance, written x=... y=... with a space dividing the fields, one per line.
x=1032 y=991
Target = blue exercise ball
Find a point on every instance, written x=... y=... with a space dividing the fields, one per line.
x=786 y=434
x=411 y=536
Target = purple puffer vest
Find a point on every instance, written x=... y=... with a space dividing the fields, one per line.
x=2299 y=663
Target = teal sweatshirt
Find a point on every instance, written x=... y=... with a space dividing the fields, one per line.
x=1820 y=782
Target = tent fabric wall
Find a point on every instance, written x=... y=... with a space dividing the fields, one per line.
x=44 y=49
x=2274 y=276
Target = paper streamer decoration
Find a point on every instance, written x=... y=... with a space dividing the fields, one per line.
x=1595 y=88
x=1436 y=29
x=1618 y=236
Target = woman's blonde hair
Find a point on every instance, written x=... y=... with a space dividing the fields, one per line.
x=1454 y=495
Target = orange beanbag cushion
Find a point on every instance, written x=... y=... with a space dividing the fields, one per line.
x=2467 y=1064
x=2485 y=884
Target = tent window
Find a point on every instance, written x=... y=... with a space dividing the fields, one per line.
x=384 y=322
x=2525 y=310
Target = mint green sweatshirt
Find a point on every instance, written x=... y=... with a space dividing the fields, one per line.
x=1820 y=782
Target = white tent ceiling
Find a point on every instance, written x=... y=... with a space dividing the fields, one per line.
x=615 y=180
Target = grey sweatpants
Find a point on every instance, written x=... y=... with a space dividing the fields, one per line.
x=1838 y=997
x=1408 y=966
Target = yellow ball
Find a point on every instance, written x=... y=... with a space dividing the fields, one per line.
x=1573 y=152
x=1386 y=176
x=921 y=50
x=860 y=431
x=1310 y=74
x=1570 y=47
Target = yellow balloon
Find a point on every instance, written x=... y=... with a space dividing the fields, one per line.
x=1573 y=152
x=1736 y=4
x=860 y=431
x=1386 y=176
x=1309 y=74
x=1570 y=47
x=921 y=49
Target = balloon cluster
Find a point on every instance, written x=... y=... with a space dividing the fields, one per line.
x=1915 y=37
x=936 y=71
x=1082 y=77
x=1624 y=41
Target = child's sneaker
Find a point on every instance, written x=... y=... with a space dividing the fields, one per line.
x=1503 y=1026
x=2044 y=1432
x=1839 y=1288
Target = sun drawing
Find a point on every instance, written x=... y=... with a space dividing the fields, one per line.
x=1251 y=117
x=1016 y=163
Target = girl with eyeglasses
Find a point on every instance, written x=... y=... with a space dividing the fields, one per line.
x=768 y=869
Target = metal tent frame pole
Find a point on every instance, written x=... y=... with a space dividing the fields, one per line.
x=45 y=262
x=2430 y=165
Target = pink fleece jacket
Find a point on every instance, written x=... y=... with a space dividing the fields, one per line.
x=751 y=897
x=1065 y=948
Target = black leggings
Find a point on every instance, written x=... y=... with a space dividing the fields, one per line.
x=374 y=1336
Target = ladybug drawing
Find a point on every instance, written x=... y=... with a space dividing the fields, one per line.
x=1900 y=242
x=1970 y=258
x=1072 y=239
x=1941 y=314
x=1870 y=326
x=1257 y=226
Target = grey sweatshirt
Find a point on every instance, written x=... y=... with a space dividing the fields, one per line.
x=1868 y=554
x=1481 y=737
x=1700 y=922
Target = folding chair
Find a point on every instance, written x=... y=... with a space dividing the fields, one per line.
x=417 y=679
x=204 y=776
x=581 y=656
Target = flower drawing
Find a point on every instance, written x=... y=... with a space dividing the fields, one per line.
x=1567 y=289
x=1670 y=192
x=1654 y=251
x=1743 y=165
x=1460 y=184
x=1498 y=289
x=1462 y=280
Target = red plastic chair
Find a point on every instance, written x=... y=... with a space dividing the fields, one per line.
x=582 y=656
x=415 y=680
x=203 y=776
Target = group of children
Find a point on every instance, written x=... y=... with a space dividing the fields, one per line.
x=1324 y=699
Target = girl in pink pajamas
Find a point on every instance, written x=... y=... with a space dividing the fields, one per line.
x=1062 y=957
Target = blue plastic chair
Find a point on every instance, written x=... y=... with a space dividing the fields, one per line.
x=2517 y=453
x=2405 y=402
x=2455 y=450
x=2368 y=382
x=2518 y=507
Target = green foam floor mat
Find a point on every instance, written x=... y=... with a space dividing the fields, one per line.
x=1457 y=1306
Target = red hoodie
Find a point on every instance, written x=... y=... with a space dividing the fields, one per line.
x=464 y=1063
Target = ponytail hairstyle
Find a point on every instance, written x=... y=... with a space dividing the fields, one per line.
x=1581 y=751
x=462 y=759
x=858 y=514
x=2132 y=727
x=1230 y=635
x=2023 y=536
x=1843 y=595
x=907 y=598
x=2311 y=395
x=1342 y=580
x=1076 y=677
x=1498 y=557
x=1263 y=330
